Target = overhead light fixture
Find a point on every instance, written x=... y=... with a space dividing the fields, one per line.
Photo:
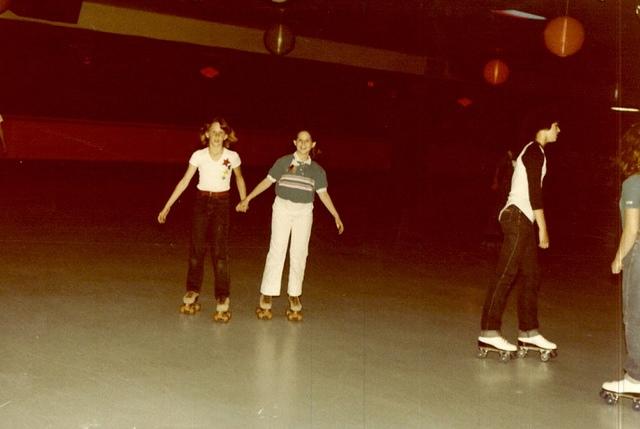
x=514 y=13
x=625 y=109
x=4 y=5
x=279 y=38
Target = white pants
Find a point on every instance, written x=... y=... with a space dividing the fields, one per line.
x=288 y=218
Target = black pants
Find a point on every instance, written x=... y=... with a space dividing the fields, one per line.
x=210 y=227
x=518 y=257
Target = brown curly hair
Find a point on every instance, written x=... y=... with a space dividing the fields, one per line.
x=628 y=158
x=224 y=125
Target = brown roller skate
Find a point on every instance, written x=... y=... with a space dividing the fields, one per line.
x=190 y=303
x=264 y=308
x=294 y=312
x=222 y=313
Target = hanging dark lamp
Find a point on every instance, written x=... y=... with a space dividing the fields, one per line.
x=279 y=38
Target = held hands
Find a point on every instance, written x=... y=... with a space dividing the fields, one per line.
x=243 y=206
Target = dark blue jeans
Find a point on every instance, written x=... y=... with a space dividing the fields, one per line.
x=210 y=228
x=631 y=308
x=518 y=258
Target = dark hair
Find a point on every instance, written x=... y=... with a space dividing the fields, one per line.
x=314 y=152
x=628 y=158
x=224 y=125
x=538 y=119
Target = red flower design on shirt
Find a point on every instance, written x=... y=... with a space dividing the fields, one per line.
x=226 y=163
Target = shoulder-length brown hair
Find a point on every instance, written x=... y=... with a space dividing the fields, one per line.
x=628 y=158
x=231 y=134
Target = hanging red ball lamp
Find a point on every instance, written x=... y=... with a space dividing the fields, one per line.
x=496 y=72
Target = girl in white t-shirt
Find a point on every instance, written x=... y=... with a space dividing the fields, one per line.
x=214 y=164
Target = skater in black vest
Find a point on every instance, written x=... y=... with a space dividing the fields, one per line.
x=518 y=254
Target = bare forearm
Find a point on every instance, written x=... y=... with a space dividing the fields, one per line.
x=326 y=200
x=179 y=189
x=626 y=243
x=630 y=228
x=242 y=188
x=543 y=235
x=328 y=203
x=540 y=219
x=260 y=188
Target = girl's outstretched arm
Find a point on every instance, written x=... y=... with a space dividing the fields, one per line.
x=179 y=189
x=326 y=200
x=243 y=205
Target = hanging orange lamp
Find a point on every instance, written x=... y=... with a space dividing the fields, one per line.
x=4 y=5
x=564 y=36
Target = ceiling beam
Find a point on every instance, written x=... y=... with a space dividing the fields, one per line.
x=126 y=21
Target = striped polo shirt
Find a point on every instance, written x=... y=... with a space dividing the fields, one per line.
x=296 y=180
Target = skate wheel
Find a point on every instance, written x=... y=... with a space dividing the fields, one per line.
x=545 y=356
x=603 y=393
x=522 y=353
x=294 y=316
x=482 y=353
x=263 y=314
x=222 y=317
x=610 y=398
x=505 y=356
x=636 y=405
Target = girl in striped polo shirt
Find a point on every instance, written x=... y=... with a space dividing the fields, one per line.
x=298 y=178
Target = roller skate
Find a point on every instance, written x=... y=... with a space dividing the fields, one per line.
x=498 y=345
x=625 y=388
x=538 y=343
x=222 y=313
x=190 y=303
x=264 y=309
x=294 y=312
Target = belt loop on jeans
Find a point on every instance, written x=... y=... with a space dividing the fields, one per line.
x=210 y=194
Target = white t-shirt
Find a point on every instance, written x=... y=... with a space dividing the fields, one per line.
x=215 y=176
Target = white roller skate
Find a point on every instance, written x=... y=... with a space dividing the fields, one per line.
x=538 y=343
x=498 y=345
x=264 y=308
x=222 y=313
x=625 y=388
x=294 y=312
x=190 y=303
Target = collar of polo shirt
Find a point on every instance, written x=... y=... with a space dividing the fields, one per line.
x=295 y=157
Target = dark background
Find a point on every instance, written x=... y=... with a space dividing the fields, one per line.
x=430 y=186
